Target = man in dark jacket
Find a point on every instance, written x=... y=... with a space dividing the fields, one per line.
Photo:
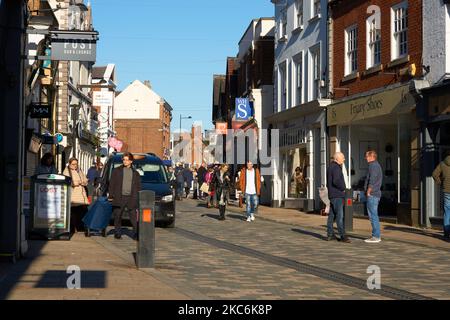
x=336 y=194
x=201 y=178
x=188 y=178
x=372 y=186
x=179 y=180
x=124 y=187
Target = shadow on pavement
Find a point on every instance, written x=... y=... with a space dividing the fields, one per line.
x=55 y=279
x=310 y=233
x=11 y=274
x=212 y=216
x=415 y=231
x=236 y=216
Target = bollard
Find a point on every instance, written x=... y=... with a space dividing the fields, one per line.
x=146 y=230
x=348 y=210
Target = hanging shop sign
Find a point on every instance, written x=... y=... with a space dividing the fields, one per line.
x=102 y=98
x=40 y=111
x=74 y=46
x=243 y=109
x=398 y=100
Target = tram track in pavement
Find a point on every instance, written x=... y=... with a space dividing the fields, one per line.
x=337 y=277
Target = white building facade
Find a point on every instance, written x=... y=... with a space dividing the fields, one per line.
x=300 y=96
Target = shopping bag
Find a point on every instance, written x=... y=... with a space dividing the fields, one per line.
x=323 y=194
x=204 y=188
x=99 y=214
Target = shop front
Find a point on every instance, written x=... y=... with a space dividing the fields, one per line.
x=434 y=117
x=385 y=122
x=302 y=157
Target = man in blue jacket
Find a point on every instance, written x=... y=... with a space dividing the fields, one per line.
x=336 y=194
x=374 y=181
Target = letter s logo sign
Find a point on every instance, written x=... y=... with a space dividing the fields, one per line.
x=242 y=111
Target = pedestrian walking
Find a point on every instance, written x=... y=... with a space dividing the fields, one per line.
x=208 y=180
x=250 y=180
x=179 y=180
x=79 y=199
x=442 y=177
x=195 y=183
x=201 y=172
x=336 y=194
x=222 y=187
x=94 y=172
x=47 y=165
x=372 y=187
x=188 y=178
x=171 y=174
x=124 y=187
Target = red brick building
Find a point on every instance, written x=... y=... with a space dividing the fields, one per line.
x=376 y=59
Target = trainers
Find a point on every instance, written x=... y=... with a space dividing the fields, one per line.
x=252 y=217
x=249 y=219
x=372 y=240
x=331 y=238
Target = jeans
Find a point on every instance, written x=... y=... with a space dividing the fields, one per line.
x=447 y=214
x=336 y=211
x=180 y=187
x=372 y=209
x=251 y=201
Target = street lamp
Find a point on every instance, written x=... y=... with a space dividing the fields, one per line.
x=181 y=117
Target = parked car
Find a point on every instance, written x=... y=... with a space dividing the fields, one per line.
x=154 y=176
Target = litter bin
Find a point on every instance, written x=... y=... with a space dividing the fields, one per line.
x=50 y=207
x=348 y=210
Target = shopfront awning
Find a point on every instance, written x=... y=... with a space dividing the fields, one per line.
x=305 y=109
x=397 y=100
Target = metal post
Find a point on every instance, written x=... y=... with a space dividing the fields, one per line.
x=348 y=210
x=146 y=230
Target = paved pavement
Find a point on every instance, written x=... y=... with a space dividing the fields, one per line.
x=104 y=275
x=204 y=258
x=235 y=259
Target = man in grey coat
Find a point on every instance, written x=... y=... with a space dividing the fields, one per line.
x=374 y=181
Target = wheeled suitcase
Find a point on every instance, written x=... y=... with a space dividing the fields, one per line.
x=98 y=216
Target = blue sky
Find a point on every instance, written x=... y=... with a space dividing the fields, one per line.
x=177 y=45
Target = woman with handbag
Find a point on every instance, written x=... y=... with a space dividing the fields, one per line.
x=79 y=198
x=207 y=186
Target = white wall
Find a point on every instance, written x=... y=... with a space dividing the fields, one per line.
x=137 y=101
x=436 y=39
x=314 y=34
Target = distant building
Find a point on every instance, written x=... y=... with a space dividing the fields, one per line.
x=142 y=120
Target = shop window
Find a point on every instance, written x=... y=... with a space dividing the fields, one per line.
x=297 y=164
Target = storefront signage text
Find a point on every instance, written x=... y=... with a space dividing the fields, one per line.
x=368 y=106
